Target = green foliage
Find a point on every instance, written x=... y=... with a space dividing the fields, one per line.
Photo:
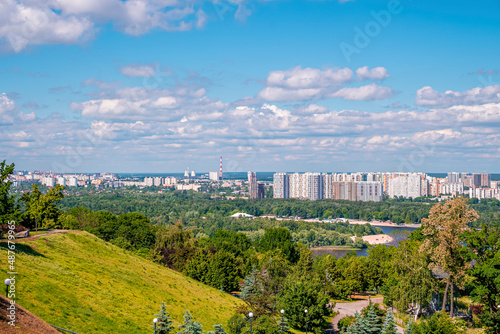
x=371 y=321
x=439 y=323
x=279 y=238
x=409 y=278
x=484 y=249
x=409 y=328
x=236 y=324
x=7 y=206
x=345 y=322
x=190 y=326
x=217 y=330
x=389 y=326
x=283 y=324
x=40 y=209
x=164 y=325
x=302 y=294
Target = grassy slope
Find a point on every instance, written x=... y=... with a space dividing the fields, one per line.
x=79 y=282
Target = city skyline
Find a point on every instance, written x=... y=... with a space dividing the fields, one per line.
x=156 y=86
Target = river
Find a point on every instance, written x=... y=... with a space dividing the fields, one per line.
x=363 y=252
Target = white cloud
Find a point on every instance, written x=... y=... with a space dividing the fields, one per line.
x=365 y=93
x=301 y=78
x=7 y=109
x=427 y=96
x=284 y=94
x=377 y=73
x=26 y=22
x=299 y=84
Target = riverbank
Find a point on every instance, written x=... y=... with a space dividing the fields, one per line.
x=376 y=239
x=334 y=248
x=381 y=223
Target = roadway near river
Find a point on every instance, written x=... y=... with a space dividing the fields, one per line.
x=350 y=309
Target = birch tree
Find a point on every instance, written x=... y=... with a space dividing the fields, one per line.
x=442 y=232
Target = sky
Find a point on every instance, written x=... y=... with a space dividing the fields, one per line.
x=327 y=86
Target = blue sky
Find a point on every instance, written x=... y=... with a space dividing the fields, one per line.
x=159 y=85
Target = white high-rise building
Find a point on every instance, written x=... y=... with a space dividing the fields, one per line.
x=314 y=186
x=369 y=191
x=406 y=185
x=148 y=181
x=73 y=182
x=328 y=190
x=280 y=185
x=61 y=181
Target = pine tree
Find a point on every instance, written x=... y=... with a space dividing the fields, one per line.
x=371 y=321
x=218 y=330
x=283 y=325
x=189 y=326
x=409 y=328
x=389 y=326
x=362 y=326
x=164 y=324
x=250 y=285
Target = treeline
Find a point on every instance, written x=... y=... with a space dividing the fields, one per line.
x=171 y=206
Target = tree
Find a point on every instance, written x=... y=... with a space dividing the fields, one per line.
x=283 y=325
x=164 y=324
x=7 y=206
x=301 y=294
x=42 y=208
x=280 y=238
x=484 y=250
x=370 y=323
x=189 y=326
x=218 y=330
x=389 y=326
x=223 y=272
x=410 y=279
x=442 y=229
x=409 y=328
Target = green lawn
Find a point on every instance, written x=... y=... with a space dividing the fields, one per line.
x=79 y=282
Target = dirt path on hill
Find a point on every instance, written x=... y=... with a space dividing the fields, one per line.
x=34 y=237
x=25 y=321
x=349 y=309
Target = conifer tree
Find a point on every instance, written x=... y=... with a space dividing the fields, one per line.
x=409 y=328
x=164 y=324
x=283 y=325
x=370 y=323
x=189 y=326
x=389 y=326
x=218 y=330
x=250 y=285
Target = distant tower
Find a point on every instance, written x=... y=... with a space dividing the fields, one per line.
x=220 y=170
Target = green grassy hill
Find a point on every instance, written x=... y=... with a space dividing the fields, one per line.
x=79 y=282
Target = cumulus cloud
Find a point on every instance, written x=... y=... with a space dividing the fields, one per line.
x=365 y=93
x=298 y=84
x=377 y=73
x=25 y=22
x=7 y=109
x=427 y=96
x=301 y=78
